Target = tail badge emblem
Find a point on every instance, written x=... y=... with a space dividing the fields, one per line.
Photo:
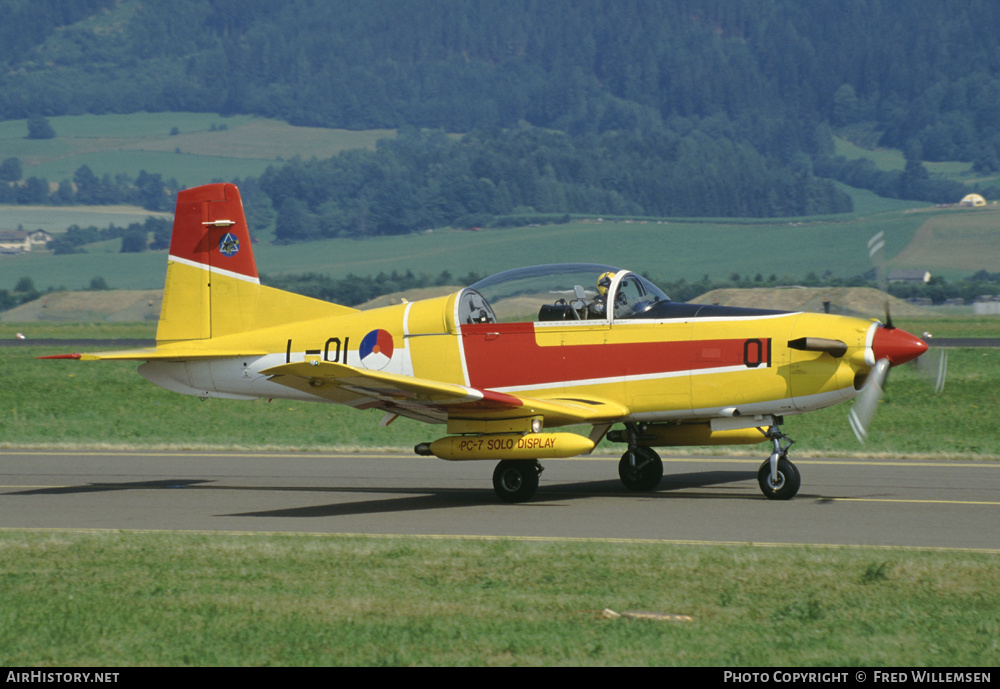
x=229 y=245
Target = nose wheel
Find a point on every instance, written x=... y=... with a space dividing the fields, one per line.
x=778 y=478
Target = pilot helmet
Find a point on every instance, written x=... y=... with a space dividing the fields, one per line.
x=604 y=283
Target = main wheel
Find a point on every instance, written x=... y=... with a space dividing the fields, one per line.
x=645 y=473
x=516 y=480
x=787 y=483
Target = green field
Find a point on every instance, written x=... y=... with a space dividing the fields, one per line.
x=207 y=146
x=893 y=159
x=120 y=599
x=957 y=244
x=55 y=219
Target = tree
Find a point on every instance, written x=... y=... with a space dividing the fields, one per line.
x=88 y=186
x=10 y=170
x=134 y=241
x=161 y=230
x=295 y=222
x=846 y=107
x=152 y=192
x=39 y=128
x=65 y=194
x=34 y=191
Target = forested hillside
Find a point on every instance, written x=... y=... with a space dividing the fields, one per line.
x=688 y=107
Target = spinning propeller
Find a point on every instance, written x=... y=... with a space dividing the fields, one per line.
x=934 y=370
x=863 y=410
x=890 y=347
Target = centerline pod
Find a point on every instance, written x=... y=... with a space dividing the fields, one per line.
x=507 y=446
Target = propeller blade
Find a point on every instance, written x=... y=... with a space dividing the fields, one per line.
x=942 y=372
x=876 y=253
x=933 y=368
x=863 y=410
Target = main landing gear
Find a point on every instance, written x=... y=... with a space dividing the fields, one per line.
x=516 y=480
x=778 y=478
x=640 y=468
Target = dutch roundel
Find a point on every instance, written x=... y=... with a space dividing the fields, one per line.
x=376 y=350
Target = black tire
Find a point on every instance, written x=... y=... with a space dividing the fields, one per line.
x=787 y=484
x=516 y=480
x=647 y=472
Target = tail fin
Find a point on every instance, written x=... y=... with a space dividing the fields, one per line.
x=212 y=287
x=209 y=253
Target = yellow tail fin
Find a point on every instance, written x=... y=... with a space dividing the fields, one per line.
x=212 y=287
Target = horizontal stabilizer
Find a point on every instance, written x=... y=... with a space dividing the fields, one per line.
x=185 y=351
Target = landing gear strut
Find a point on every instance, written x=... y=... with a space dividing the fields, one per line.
x=778 y=477
x=640 y=468
x=516 y=480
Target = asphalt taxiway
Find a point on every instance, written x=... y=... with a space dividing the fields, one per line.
x=950 y=504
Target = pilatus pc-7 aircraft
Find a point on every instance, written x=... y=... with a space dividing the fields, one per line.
x=505 y=363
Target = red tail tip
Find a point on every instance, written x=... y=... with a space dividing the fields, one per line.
x=210 y=230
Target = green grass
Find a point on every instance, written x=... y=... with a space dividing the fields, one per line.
x=80 y=331
x=912 y=420
x=55 y=219
x=206 y=147
x=952 y=326
x=54 y=404
x=935 y=243
x=893 y=159
x=188 y=599
x=957 y=245
x=75 y=271
x=665 y=251
x=190 y=168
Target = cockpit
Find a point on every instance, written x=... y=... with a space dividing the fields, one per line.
x=559 y=292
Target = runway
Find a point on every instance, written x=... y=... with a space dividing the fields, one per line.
x=853 y=502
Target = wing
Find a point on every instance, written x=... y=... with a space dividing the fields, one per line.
x=434 y=401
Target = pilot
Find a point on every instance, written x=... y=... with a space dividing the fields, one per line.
x=599 y=307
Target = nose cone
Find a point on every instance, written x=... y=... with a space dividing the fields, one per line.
x=898 y=346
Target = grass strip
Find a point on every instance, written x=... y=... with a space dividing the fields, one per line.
x=183 y=599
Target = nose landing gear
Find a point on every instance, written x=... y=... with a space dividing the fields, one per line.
x=778 y=478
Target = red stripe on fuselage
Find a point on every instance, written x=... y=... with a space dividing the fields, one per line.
x=508 y=355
